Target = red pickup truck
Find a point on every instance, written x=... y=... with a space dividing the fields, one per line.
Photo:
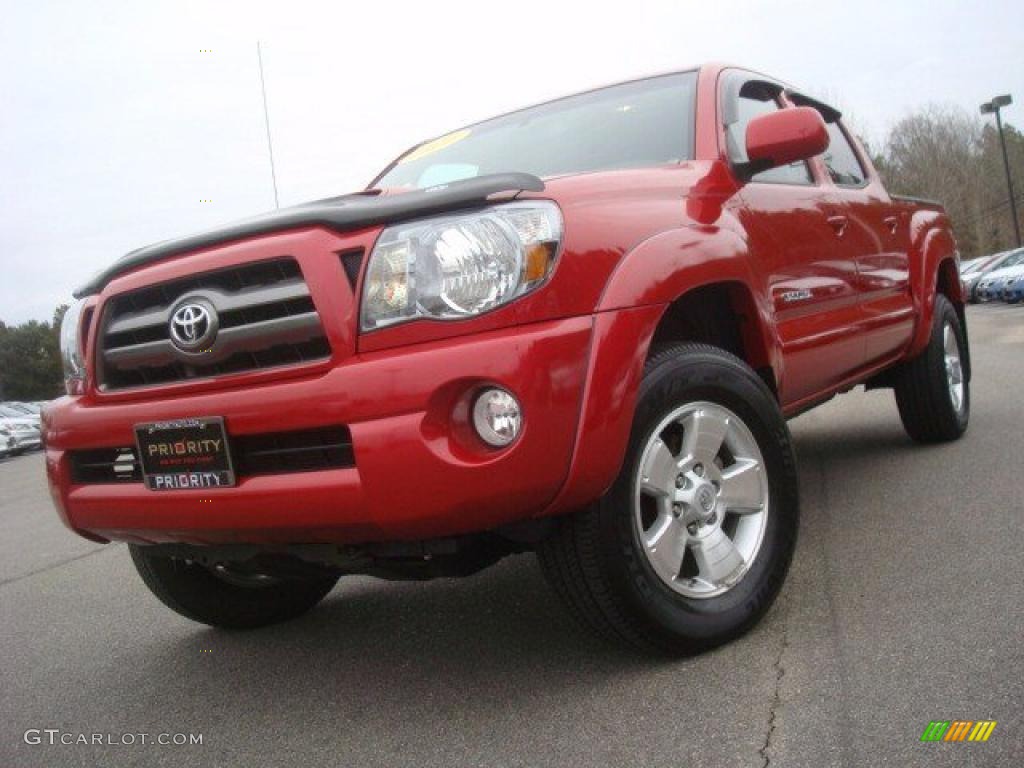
x=576 y=329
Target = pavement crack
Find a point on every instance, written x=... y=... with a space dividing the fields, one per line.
x=780 y=672
x=51 y=566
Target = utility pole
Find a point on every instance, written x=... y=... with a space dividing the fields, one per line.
x=266 y=120
x=993 y=107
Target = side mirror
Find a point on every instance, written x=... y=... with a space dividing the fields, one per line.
x=783 y=137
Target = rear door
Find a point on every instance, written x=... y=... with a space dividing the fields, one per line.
x=876 y=233
x=794 y=239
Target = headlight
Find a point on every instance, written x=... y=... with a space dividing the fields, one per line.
x=71 y=349
x=460 y=265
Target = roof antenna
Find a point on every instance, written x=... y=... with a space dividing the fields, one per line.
x=266 y=120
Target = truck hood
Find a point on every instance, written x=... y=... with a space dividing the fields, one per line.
x=348 y=212
x=691 y=192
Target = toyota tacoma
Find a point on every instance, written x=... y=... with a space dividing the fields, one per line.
x=576 y=329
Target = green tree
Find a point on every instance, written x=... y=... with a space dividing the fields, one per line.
x=993 y=223
x=58 y=318
x=30 y=367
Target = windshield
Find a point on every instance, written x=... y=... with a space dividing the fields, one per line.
x=1014 y=259
x=633 y=125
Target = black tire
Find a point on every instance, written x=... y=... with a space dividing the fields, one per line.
x=197 y=593
x=923 y=393
x=594 y=560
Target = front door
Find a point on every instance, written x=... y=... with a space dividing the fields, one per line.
x=796 y=242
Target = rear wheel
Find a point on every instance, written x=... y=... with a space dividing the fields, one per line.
x=225 y=596
x=690 y=546
x=932 y=390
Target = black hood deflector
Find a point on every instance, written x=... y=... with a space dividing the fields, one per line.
x=339 y=213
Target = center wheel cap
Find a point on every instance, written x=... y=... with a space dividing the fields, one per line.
x=706 y=498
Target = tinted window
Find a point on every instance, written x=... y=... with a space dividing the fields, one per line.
x=634 y=125
x=843 y=165
x=747 y=108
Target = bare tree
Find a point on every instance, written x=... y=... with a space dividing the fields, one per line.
x=950 y=155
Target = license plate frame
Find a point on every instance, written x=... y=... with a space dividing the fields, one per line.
x=185 y=454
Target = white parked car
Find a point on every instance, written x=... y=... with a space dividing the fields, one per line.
x=29 y=409
x=7 y=442
x=23 y=433
x=12 y=411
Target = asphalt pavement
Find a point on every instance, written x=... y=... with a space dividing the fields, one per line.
x=905 y=604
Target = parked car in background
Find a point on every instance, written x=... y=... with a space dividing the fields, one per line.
x=1013 y=286
x=990 y=287
x=29 y=409
x=25 y=435
x=972 y=270
x=9 y=411
x=990 y=273
x=974 y=265
x=6 y=441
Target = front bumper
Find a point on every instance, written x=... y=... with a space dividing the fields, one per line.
x=419 y=470
x=990 y=292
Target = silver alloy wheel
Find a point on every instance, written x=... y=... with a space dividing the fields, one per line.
x=701 y=499
x=954 y=368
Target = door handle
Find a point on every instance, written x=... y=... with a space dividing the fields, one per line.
x=892 y=222
x=838 y=224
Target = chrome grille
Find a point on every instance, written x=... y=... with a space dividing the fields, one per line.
x=265 y=317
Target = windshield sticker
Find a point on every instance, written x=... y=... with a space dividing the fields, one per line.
x=436 y=145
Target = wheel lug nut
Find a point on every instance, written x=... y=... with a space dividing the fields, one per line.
x=698 y=470
x=680 y=481
x=692 y=528
x=677 y=509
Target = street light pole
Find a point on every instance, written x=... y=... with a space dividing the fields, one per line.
x=266 y=121
x=993 y=107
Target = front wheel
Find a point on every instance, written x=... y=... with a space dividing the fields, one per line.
x=690 y=546
x=227 y=597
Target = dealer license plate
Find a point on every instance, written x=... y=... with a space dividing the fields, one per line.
x=184 y=454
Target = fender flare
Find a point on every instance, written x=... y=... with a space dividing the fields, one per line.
x=933 y=257
x=665 y=267
x=646 y=281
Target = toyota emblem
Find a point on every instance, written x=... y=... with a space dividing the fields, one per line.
x=193 y=326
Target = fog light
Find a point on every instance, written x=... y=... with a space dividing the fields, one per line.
x=497 y=417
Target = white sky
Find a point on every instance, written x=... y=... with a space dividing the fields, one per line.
x=114 y=126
